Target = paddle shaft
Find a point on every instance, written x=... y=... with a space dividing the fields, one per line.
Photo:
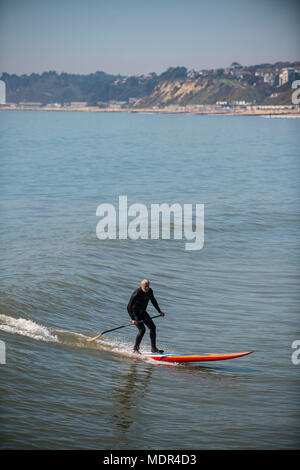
x=119 y=327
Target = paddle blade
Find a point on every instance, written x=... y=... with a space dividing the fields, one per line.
x=95 y=337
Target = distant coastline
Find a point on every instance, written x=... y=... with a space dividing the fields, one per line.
x=292 y=111
x=257 y=89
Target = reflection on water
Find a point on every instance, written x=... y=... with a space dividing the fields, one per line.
x=129 y=396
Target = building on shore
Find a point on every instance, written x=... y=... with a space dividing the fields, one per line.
x=53 y=105
x=30 y=104
x=117 y=104
x=288 y=75
x=78 y=104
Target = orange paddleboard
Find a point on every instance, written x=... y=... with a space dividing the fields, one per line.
x=170 y=357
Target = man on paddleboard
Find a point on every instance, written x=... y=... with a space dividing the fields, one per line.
x=136 y=308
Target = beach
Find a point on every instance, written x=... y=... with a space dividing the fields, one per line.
x=210 y=110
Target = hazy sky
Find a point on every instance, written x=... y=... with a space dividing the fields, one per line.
x=140 y=36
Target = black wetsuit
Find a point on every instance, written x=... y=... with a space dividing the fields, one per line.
x=136 y=308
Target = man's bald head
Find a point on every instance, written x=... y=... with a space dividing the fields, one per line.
x=145 y=285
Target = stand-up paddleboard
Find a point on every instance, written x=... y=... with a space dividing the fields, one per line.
x=171 y=357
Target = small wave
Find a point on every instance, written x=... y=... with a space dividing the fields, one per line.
x=25 y=327
x=33 y=330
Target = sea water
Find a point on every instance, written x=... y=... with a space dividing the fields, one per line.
x=61 y=284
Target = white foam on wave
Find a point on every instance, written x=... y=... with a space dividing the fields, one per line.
x=126 y=349
x=33 y=330
x=112 y=344
x=25 y=327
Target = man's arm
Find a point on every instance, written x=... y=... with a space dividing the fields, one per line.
x=154 y=302
x=130 y=304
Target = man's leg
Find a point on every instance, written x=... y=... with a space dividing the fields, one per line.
x=140 y=335
x=150 y=324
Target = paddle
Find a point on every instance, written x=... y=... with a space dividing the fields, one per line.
x=118 y=327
